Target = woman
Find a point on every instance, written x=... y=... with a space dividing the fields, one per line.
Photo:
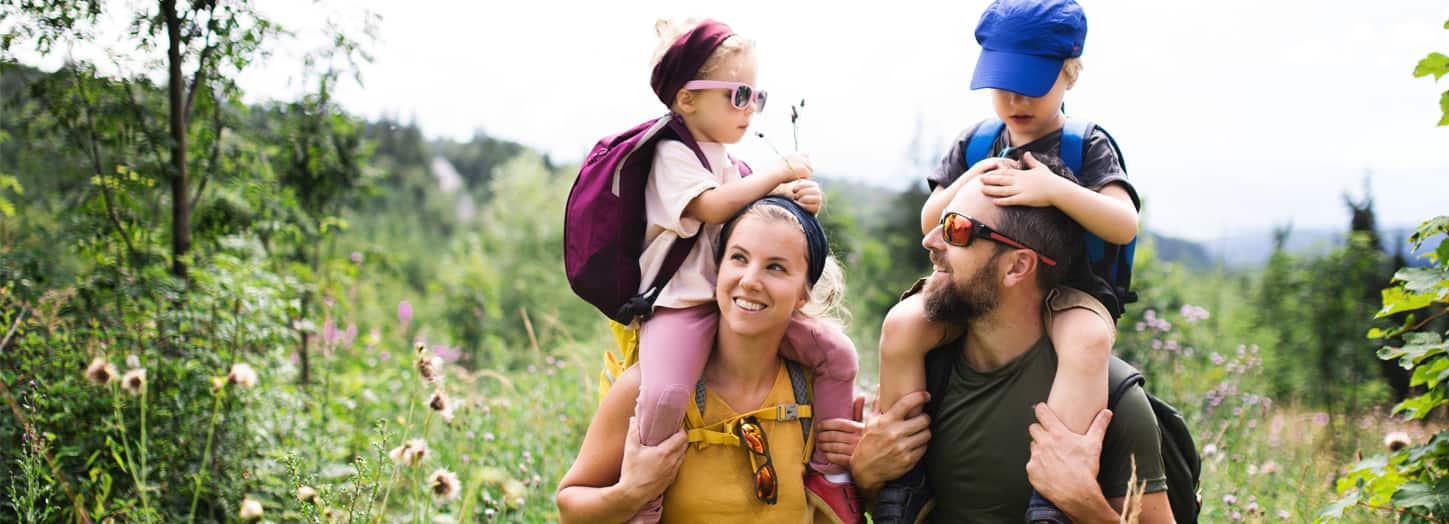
x=774 y=263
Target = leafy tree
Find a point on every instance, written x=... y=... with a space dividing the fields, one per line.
x=1413 y=481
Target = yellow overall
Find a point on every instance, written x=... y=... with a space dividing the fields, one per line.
x=716 y=483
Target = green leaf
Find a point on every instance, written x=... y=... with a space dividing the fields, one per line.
x=1426 y=280
x=1435 y=64
x=1398 y=300
x=1417 y=495
x=1428 y=229
x=1417 y=347
x=1375 y=333
x=1430 y=374
x=1334 y=511
x=1420 y=406
x=1441 y=255
x=1444 y=108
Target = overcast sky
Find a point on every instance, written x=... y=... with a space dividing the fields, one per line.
x=1231 y=114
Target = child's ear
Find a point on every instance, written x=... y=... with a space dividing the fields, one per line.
x=684 y=101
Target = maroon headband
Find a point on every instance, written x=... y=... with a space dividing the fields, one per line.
x=683 y=59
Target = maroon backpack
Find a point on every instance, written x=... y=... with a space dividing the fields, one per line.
x=604 y=220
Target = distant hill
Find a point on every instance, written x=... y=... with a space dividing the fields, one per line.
x=1252 y=248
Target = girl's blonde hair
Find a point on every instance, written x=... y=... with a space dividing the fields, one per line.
x=669 y=31
x=1072 y=67
x=827 y=296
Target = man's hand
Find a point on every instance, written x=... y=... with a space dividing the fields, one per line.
x=892 y=443
x=1035 y=185
x=1064 y=465
x=838 y=436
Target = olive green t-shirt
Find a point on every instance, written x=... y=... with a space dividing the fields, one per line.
x=976 y=461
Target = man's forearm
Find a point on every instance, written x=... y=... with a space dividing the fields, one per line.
x=1091 y=511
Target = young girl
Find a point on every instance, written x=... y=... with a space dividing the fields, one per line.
x=705 y=74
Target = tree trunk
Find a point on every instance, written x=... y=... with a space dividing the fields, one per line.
x=180 y=203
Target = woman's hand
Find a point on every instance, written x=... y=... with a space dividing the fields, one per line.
x=649 y=470
x=838 y=436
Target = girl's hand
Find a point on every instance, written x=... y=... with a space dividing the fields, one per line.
x=1035 y=185
x=807 y=193
x=796 y=167
x=649 y=470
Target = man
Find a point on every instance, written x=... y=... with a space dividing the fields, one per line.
x=985 y=454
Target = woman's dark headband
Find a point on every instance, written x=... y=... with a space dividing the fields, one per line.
x=817 y=247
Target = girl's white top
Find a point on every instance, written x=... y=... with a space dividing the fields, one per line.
x=676 y=178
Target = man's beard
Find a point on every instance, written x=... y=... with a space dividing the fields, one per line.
x=953 y=303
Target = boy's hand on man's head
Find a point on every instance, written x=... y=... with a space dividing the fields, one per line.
x=1031 y=184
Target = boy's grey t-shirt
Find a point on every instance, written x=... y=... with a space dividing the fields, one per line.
x=1100 y=165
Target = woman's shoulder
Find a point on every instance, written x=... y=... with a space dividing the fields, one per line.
x=625 y=387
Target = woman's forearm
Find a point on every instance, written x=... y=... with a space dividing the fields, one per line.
x=597 y=504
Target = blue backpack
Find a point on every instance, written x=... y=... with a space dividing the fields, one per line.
x=1110 y=261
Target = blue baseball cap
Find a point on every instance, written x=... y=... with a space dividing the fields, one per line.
x=1024 y=42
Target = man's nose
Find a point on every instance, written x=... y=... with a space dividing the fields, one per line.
x=933 y=241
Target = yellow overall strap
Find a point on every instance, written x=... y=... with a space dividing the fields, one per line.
x=723 y=432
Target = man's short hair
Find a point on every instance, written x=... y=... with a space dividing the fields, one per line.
x=1046 y=229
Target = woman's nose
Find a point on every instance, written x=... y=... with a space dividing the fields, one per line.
x=750 y=280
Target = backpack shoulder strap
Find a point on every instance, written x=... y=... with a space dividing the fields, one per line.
x=800 y=383
x=1121 y=377
x=1074 y=143
x=939 y=362
x=642 y=305
x=742 y=166
x=978 y=145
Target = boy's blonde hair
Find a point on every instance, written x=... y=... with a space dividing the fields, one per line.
x=1072 y=67
x=669 y=31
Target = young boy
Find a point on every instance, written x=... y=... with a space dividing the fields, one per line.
x=1029 y=59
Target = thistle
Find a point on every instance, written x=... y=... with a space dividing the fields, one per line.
x=134 y=381
x=100 y=372
x=444 y=484
x=440 y=403
x=250 y=510
x=307 y=494
x=242 y=375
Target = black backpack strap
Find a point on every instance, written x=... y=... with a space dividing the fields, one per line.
x=939 y=362
x=1121 y=376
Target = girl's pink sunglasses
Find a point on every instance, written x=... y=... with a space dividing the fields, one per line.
x=741 y=94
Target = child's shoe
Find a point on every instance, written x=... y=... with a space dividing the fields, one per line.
x=906 y=500
x=841 y=499
x=1041 y=511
